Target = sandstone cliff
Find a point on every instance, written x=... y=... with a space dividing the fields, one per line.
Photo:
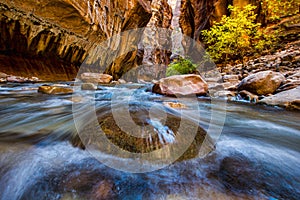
x=197 y=15
x=51 y=38
x=156 y=56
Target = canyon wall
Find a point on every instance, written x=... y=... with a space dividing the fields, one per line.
x=51 y=38
x=197 y=15
x=156 y=43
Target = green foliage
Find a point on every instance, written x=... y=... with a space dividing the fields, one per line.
x=180 y=66
x=236 y=35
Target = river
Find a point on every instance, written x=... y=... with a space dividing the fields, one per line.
x=256 y=155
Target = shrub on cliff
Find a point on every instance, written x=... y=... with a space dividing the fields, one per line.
x=276 y=9
x=236 y=35
x=181 y=66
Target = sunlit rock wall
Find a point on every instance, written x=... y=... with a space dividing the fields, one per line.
x=197 y=15
x=51 y=38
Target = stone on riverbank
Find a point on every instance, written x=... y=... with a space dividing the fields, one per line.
x=181 y=85
x=262 y=83
x=96 y=78
x=286 y=99
x=88 y=86
x=47 y=89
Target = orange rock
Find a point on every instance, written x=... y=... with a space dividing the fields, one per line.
x=181 y=85
x=47 y=89
x=96 y=78
x=262 y=83
x=175 y=105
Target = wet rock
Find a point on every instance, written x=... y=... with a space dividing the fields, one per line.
x=294 y=105
x=175 y=105
x=122 y=81
x=224 y=94
x=130 y=136
x=181 y=85
x=88 y=86
x=104 y=190
x=237 y=172
x=248 y=96
x=34 y=79
x=47 y=89
x=96 y=78
x=262 y=83
x=244 y=175
x=284 y=99
x=17 y=79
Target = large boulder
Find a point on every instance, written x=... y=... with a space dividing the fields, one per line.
x=181 y=85
x=288 y=99
x=262 y=83
x=96 y=78
x=145 y=135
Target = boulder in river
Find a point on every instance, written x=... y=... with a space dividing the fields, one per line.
x=175 y=105
x=262 y=83
x=88 y=86
x=138 y=134
x=96 y=78
x=287 y=99
x=181 y=85
x=47 y=89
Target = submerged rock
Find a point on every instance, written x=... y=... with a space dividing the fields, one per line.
x=181 y=85
x=175 y=105
x=244 y=175
x=262 y=83
x=142 y=135
x=47 y=89
x=96 y=78
x=287 y=99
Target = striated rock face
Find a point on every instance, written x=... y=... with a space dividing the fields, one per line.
x=51 y=38
x=156 y=58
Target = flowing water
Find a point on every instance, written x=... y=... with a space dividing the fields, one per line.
x=257 y=156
